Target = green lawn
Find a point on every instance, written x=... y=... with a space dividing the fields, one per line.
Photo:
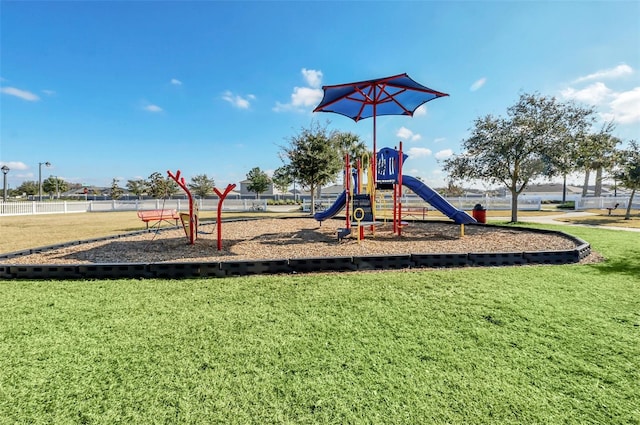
x=536 y=344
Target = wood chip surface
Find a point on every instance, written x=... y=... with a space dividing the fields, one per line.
x=297 y=238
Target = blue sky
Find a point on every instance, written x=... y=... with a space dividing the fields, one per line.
x=107 y=89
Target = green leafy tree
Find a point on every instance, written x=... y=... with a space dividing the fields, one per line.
x=597 y=152
x=629 y=171
x=138 y=187
x=157 y=185
x=116 y=190
x=452 y=189
x=567 y=156
x=258 y=181
x=515 y=150
x=54 y=185
x=313 y=157
x=283 y=178
x=161 y=187
x=350 y=143
x=28 y=188
x=201 y=185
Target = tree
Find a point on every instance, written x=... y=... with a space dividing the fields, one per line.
x=28 y=188
x=161 y=187
x=566 y=158
x=157 y=185
x=54 y=185
x=452 y=189
x=515 y=150
x=629 y=171
x=258 y=181
x=138 y=187
x=350 y=143
x=282 y=178
x=201 y=185
x=116 y=190
x=596 y=152
x=313 y=158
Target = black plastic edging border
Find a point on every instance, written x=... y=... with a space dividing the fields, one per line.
x=176 y=270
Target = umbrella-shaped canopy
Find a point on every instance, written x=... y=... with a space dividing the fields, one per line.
x=395 y=95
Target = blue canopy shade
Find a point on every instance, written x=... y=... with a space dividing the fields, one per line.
x=395 y=95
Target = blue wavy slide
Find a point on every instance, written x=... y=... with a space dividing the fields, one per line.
x=333 y=209
x=436 y=200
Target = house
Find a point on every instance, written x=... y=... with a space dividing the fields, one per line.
x=244 y=188
x=551 y=190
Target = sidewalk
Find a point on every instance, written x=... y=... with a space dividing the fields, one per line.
x=551 y=219
x=283 y=208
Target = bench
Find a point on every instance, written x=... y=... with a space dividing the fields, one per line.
x=158 y=216
x=612 y=208
x=415 y=212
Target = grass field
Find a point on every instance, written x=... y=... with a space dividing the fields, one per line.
x=31 y=231
x=602 y=218
x=535 y=344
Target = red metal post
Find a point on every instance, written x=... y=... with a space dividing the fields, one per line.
x=347 y=168
x=221 y=197
x=193 y=219
x=400 y=190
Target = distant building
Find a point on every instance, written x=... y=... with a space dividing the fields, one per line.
x=244 y=189
x=552 y=190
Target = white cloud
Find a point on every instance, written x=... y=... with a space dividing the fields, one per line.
x=420 y=110
x=618 y=71
x=152 y=108
x=594 y=94
x=303 y=98
x=625 y=107
x=312 y=77
x=444 y=154
x=477 y=85
x=418 y=152
x=22 y=94
x=408 y=135
x=176 y=82
x=49 y=92
x=15 y=165
x=439 y=140
x=238 y=101
x=622 y=107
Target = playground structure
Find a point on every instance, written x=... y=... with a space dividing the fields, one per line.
x=384 y=174
x=190 y=220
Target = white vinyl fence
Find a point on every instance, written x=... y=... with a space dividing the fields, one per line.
x=63 y=207
x=605 y=202
x=525 y=203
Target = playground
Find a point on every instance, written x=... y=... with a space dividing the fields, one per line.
x=353 y=228
x=281 y=238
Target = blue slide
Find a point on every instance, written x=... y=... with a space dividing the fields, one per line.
x=333 y=209
x=436 y=200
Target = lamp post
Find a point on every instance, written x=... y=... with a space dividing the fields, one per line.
x=5 y=170
x=47 y=164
